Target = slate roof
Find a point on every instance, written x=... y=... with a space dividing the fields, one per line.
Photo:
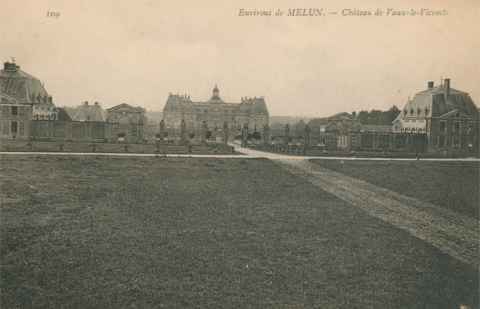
x=21 y=86
x=63 y=115
x=131 y=108
x=432 y=103
x=88 y=112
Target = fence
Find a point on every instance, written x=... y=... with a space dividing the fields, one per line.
x=88 y=131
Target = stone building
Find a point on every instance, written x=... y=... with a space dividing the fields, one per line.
x=333 y=132
x=129 y=122
x=22 y=98
x=27 y=89
x=15 y=118
x=88 y=112
x=448 y=117
x=214 y=114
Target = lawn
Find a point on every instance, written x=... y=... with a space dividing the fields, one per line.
x=453 y=185
x=83 y=232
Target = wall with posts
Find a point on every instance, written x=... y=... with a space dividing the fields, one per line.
x=73 y=130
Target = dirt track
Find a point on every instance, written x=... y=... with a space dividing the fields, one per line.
x=450 y=232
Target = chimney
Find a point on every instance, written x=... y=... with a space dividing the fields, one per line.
x=10 y=67
x=96 y=103
x=446 y=88
x=430 y=84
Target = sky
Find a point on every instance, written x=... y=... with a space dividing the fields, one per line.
x=137 y=52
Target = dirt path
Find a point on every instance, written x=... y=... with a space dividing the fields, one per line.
x=450 y=232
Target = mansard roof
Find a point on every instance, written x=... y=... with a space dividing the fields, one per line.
x=20 y=85
x=434 y=102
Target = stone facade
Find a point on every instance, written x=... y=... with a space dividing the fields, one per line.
x=215 y=114
x=15 y=119
x=130 y=122
x=22 y=98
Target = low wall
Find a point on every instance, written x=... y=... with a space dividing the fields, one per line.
x=72 y=130
x=60 y=146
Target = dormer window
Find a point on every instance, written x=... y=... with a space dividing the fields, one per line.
x=411 y=111
x=419 y=111
x=405 y=112
x=426 y=111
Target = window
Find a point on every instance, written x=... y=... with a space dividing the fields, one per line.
x=21 y=130
x=470 y=128
x=14 y=110
x=426 y=111
x=443 y=126
x=14 y=127
x=441 y=141
x=6 y=128
x=411 y=111
x=456 y=127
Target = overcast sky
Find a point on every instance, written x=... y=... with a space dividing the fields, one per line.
x=139 y=51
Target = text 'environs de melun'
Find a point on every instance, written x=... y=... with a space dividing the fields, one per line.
x=343 y=12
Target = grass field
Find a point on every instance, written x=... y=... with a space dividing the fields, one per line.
x=80 y=232
x=453 y=185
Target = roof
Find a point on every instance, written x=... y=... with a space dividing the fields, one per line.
x=375 y=128
x=454 y=113
x=325 y=121
x=177 y=102
x=125 y=106
x=20 y=85
x=63 y=115
x=86 y=112
x=433 y=103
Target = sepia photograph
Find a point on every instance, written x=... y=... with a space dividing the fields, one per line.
x=240 y=154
